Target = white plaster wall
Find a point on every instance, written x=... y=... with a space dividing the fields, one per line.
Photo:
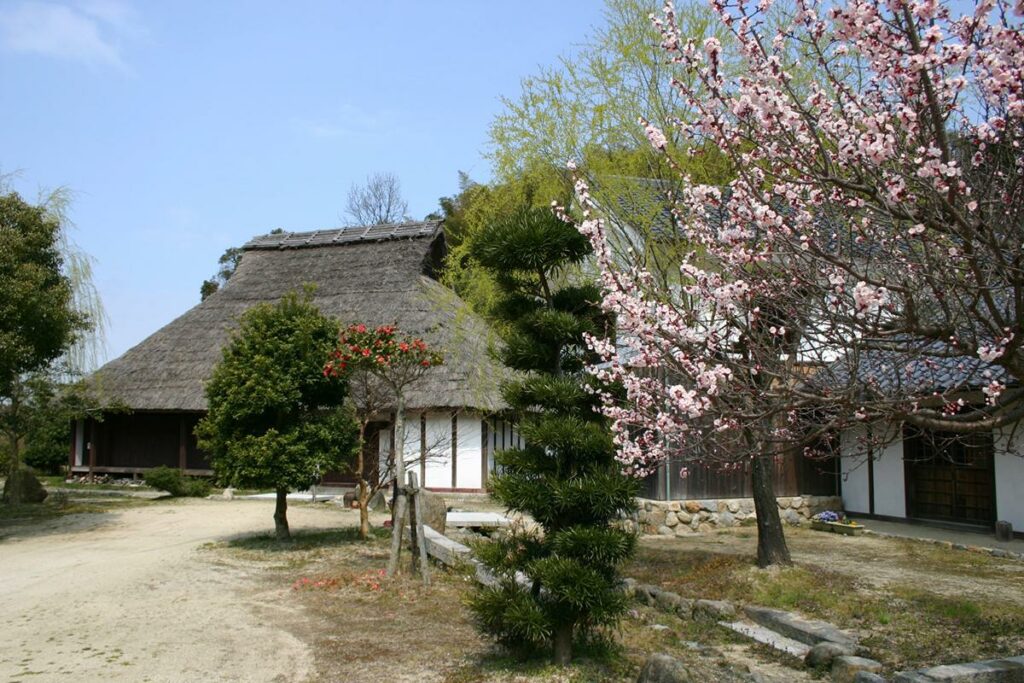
x=411 y=453
x=79 y=441
x=468 y=470
x=439 y=450
x=890 y=487
x=383 y=451
x=854 y=471
x=1009 y=471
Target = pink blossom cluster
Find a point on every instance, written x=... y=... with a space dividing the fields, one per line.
x=876 y=202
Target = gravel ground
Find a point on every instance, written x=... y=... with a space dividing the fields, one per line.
x=130 y=596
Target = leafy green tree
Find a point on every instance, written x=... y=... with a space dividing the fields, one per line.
x=566 y=477
x=38 y=320
x=274 y=417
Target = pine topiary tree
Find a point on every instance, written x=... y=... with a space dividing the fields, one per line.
x=566 y=477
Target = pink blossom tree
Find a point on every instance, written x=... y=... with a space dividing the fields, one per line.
x=869 y=248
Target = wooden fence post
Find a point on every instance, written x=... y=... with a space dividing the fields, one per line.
x=397 y=529
x=417 y=515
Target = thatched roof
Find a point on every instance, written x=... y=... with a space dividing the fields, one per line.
x=379 y=275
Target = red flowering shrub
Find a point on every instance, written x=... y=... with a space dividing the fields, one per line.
x=378 y=350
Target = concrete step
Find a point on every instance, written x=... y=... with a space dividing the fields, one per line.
x=807 y=631
x=768 y=637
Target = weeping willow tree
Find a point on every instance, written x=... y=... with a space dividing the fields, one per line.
x=53 y=330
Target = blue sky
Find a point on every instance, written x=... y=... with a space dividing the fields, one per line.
x=184 y=128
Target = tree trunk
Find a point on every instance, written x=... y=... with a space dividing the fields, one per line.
x=771 y=539
x=14 y=481
x=399 y=445
x=364 y=510
x=281 y=516
x=563 y=644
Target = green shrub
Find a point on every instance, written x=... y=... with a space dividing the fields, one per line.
x=173 y=482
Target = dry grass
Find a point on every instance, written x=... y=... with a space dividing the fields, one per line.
x=364 y=627
x=913 y=604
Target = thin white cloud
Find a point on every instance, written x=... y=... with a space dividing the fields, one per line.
x=90 y=32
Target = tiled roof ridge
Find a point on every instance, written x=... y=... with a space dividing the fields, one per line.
x=345 y=235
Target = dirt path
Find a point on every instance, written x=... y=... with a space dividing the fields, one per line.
x=131 y=596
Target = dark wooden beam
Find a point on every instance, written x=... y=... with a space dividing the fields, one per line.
x=455 y=450
x=182 y=445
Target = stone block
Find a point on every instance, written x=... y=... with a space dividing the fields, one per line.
x=661 y=668
x=29 y=486
x=846 y=668
x=734 y=506
x=747 y=505
x=1008 y=670
x=726 y=519
x=721 y=506
x=809 y=631
x=684 y=516
x=671 y=520
x=656 y=518
x=684 y=530
x=674 y=506
x=796 y=502
x=783 y=502
x=692 y=506
x=791 y=517
x=665 y=531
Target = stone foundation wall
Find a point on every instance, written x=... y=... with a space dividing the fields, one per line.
x=683 y=517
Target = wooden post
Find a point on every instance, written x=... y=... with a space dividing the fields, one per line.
x=397 y=529
x=417 y=514
x=182 y=445
x=414 y=538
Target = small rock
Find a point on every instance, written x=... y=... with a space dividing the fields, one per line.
x=868 y=677
x=791 y=517
x=846 y=668
x=822 y=654
x=435 y=512
x=659 y=627
x=350 y=499
x=713 y=610
x=660 y=668
x=379 y=502
x=229 y=494
x=628 y=587
x=671 y=602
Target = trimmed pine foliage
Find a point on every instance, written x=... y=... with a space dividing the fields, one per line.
x=566 y=477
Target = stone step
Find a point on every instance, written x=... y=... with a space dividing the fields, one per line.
x=807 y=631
x=768 y=637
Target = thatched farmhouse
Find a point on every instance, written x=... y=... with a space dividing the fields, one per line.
x=377 y=275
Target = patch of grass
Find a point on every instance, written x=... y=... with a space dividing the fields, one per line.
x=306 y=540
x=904 y=624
